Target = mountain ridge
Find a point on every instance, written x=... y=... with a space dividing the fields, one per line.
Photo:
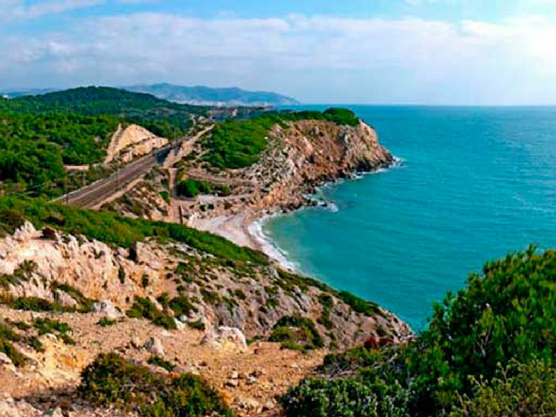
x=203 y=95
x=194 y=95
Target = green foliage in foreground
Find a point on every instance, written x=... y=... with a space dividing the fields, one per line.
x=492 y=343
x=113 y=381
x=239 y=143
x=113 y=229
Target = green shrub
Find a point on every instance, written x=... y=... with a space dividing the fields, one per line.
x=359 y=305
x=182 y=306
x=342 y=398
x=296 y=333
x=106 y=322
x=56 y=327
x=158 y=361
x=11 y=352
x=192 y=188
x=113 y=381
x=144 y=308
x=30 y=304
x=518 y=390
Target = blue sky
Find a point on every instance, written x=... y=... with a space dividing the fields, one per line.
x=327 y=51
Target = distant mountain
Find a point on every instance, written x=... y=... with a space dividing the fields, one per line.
x=27 y=92
x=213 y=96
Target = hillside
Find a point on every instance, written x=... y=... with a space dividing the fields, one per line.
x=97 y=282
x=213 y=96
x=40 y=134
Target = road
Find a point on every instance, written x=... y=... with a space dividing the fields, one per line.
x=94 y=194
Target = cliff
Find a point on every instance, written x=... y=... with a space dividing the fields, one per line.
x=132 y=141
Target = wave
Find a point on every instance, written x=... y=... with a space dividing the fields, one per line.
x=268 y=246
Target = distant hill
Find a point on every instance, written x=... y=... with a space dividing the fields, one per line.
x=27 y=92
x=213 y=96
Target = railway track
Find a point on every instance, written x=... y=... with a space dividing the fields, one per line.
x=94 y=194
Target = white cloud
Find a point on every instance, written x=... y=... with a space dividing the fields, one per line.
x=318 y=58
x=19 y=9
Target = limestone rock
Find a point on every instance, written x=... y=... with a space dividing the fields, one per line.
x=154 y=346
x=225 y=338
x=107 y=309
x=4 y=359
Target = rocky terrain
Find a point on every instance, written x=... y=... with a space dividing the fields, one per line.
x=132 y=141
x=204 y=314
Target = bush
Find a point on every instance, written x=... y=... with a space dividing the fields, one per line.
x=296 y=333
x=144 y=308
x=113 y=381
x=518 y=390
x=192 y=188
x=341 y=398
x=182 y=306
x=158 y=361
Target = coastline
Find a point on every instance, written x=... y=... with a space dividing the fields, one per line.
x=246 y=228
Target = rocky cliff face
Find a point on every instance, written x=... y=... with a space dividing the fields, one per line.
x=131 y=142
x=249 y=297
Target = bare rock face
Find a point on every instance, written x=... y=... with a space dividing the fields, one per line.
x=212 y=292
x=107 y=309
x=12 y=408
x=154 y=346
x=131 y=142
x=225 y=338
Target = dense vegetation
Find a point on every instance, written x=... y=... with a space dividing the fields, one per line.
x=39 y=134
x=113 y=229
x=35 y=147
x=239 y=143
x=160 y=116
x=491 y=345
x=113 y=381
x=192 y=188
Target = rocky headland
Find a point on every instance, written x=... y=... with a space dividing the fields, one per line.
x=299 y=157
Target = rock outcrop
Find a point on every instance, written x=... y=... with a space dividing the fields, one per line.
x=131 y=142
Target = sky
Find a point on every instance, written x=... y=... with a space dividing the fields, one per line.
x=431 y=52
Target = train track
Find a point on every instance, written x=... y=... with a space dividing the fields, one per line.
x=94 y=194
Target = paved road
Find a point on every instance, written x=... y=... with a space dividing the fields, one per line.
x=94 y=194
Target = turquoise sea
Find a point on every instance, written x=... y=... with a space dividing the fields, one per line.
x=475 y=184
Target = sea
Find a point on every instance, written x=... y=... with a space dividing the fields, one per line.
x=471 y=184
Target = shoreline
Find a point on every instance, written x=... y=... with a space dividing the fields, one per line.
x=246 y=229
